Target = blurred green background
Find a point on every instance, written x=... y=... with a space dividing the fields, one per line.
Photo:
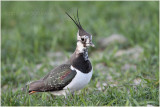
x=37 y=36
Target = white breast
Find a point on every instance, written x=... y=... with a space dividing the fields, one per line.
x=79 y=81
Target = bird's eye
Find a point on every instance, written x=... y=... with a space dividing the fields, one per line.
x=82 y=39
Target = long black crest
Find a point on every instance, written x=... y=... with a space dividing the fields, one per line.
x=77 y=22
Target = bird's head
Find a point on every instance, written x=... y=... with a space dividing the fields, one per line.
x=84 y=39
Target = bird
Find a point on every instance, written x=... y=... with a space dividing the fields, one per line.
x=72 y=75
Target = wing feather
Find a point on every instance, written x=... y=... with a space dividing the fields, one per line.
x=56 y=80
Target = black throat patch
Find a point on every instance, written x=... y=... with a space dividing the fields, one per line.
x=80 y=61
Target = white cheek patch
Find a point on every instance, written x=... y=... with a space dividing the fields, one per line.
x=78 y=38
x=80 y=47
x=87 y=40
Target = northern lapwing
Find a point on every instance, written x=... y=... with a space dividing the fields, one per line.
x=73 y=75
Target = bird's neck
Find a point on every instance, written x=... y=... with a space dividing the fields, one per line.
x=80 y=54
x=80 y=49
x=80 y=61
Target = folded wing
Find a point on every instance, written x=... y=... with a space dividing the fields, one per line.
x=56 y=80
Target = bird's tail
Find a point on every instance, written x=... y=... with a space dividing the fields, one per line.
x=36 y=86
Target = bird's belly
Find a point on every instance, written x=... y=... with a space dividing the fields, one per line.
x=58 y=93
x=79 y=81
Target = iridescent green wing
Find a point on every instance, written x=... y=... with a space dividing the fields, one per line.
x=59 y=78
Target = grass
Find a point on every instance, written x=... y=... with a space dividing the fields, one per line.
x=32 y=30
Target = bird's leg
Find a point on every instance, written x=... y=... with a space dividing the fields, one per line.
x=72 y=96
x=52 y=95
